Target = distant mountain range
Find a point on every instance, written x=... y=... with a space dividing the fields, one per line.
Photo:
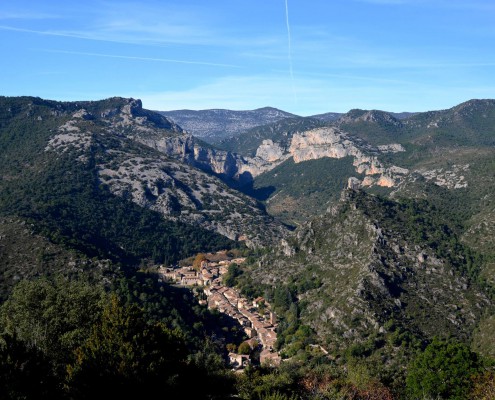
x=215 y=125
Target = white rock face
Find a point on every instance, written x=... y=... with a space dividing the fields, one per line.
x=186 y=194
x=309 y=145
x=141 y=125
x=391 y=148
x=269 y=151
x=333 y=143
x=319 y=143
x=368 y=165
x=69 y=135
x=452 y=178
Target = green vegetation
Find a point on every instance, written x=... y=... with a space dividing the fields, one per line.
x=468 y=124
x=442 y=370
x=423 y=224
x=376 y=299
x=383 y=128
x=53 y=317
x=67 y=205
x=244 y=348
x=297 y=192
x=72 y=339
x=230 y=278
x=64 y=200
x=373 y=258
x=127 y=355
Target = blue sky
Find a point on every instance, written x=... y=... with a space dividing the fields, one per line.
x=332 y=55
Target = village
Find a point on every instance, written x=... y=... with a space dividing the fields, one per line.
x=256 y=317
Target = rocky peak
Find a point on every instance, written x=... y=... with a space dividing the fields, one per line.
x=130 y=112
x=475 y=104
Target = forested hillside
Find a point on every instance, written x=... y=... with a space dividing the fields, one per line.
x=60 y=196
x=383 y=290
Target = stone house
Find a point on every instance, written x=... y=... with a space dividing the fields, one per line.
x=239 y=361
x=270 y=357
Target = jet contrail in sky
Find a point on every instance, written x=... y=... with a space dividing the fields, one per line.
x=290 y=50
x=167 y=60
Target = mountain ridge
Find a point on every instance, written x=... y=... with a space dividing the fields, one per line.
x=104 y=140
x=213 y=125
x=376 y=262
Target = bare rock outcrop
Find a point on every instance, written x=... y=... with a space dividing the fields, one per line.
x=143 y=157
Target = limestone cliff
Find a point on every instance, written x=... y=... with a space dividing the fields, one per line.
x=145 y=158
x=302 y=146
x=309 y=145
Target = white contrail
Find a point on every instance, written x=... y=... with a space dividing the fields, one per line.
x=167 y=60
x=290 y=49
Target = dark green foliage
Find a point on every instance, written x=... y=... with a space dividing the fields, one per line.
x=291 y=334
x=316 y=379
x=25 y=373
x=467 y=124
x=211 y=378
x=176 y=308
x=424 y=224
x=70 y=208
x=25 y=255
x=65 y=200
x=261 y=383
x=382 y=129
x=443 y=370
x=244 y=348
x=298 y=192
x=283 y=298
x=126 y=356
x=230 y=278
x=52 y=317
x=42 y=322
x=68 y=339
x=132 y=344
